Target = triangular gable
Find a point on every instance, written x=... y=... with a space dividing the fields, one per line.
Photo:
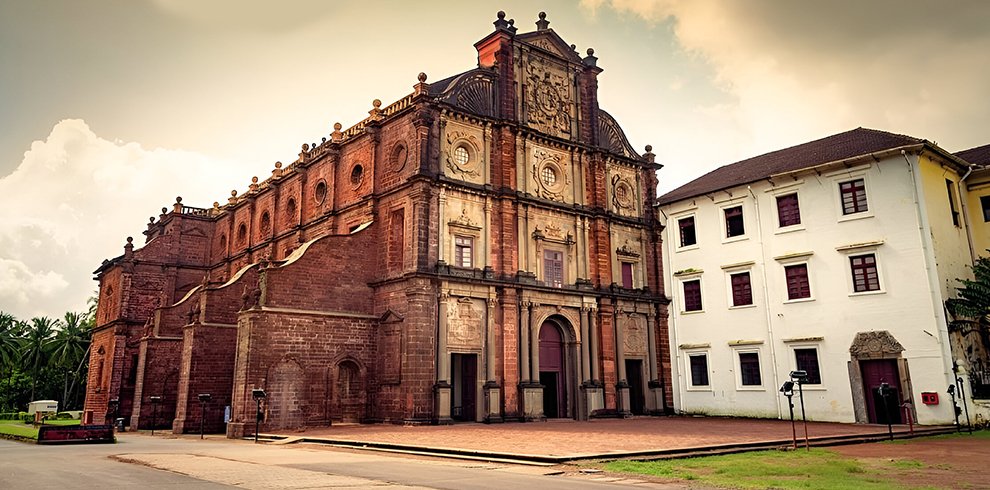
x=390 y=317
x=548 y=40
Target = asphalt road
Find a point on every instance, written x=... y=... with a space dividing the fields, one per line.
x=155 y=462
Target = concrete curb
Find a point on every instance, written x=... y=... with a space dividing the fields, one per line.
x=648 y=454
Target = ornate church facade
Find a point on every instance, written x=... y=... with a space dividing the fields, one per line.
x=483 y=249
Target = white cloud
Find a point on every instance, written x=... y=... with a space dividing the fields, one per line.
x=72 y=201
x=797 y=71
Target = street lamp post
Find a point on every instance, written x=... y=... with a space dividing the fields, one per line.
x=884 y=393
x=155 y=400
x=258 y=394
x=800 y=376
x=788 y=390
x=204 y=398
x=113 y=406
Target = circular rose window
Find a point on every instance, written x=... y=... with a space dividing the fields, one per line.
x=321 y=192
x=356 y=173
x=548 y=176
x=461 y=155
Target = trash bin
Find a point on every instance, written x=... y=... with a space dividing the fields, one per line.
x=119 y=424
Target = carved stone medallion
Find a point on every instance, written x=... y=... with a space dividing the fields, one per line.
x=634 y=341
x=875 y=344
x=549 y=99
x=464 y=321
x=550 y=174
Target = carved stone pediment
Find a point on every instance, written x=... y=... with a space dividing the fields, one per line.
x=464 y=323
x=634 y=340
x=627 y=251
x=464 y=221
x=549 y=98
x=875 y=344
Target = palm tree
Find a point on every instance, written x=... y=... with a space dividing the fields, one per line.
x=69 y=347
x=36 y=346
x=10 y=333
x=971 y=309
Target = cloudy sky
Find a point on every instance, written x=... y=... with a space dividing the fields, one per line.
x=110 y=109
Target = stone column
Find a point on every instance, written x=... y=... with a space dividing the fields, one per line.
x=595 y=357
x=441 y=389
x=585 y=347
x=594 y=393
x=493 y=394
x=524 y=343
x=532 y=391
x=622 y=386
x=534 y=346
x=654 y=401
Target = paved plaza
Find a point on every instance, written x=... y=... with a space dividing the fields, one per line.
x=578 y=439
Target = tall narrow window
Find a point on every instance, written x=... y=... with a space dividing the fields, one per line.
x=734 y=225
x=985 y=205
x=463 y=251
x=553 y=268
x=396 y=240
x=864 y=273
x=952 y=201
x=749 y=369
x=692 y=295
x=806 y=359
x=699 y=369
x=788 y=210
x=853 y=196
x=686 y=227
x=798 y=286
x=627 y=275
x=742 y=291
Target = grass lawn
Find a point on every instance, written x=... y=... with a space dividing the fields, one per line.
x=18 y=428
x=819 y=468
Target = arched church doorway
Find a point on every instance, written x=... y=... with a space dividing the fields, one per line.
x=552 y=373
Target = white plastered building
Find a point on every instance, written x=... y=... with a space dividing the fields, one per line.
x=835 y=257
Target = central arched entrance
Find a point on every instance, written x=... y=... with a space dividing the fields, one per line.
x=552 y=373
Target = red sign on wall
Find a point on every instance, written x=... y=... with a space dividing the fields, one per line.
x=929 y=398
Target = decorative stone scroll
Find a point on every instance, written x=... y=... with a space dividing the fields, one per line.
x=875 y=344
x=634 y=340
x=464 y=324
x=548 y=98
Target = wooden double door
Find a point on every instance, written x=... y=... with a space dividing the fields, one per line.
x=882 y=408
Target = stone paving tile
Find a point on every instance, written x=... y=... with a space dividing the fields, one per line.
x=251 y=475
x=569 y=438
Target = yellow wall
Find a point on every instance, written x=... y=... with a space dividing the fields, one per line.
x=949 y=241
x=978 y=185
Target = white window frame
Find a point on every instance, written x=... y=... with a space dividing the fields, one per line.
x=683 y=297
x=688 y=378
x=784 y=191
x=818 y=353
x=677 y=232
x=731 y=270
x=738 y=367
x=795 y=259
x=850 y=252
x=723 y=232
x=838 y=178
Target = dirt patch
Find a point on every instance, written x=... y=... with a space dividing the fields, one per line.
x=940 y=462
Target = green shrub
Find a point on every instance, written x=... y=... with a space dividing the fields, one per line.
x=27 y=418
x=64 y=416
x=9 y=416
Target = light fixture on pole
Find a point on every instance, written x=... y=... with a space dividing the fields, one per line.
x=801 y=376
x=258 y=394
x=788 y=390
x=155 y=400
x=204 y=398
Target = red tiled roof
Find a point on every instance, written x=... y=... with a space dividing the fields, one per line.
x=979 y=155
x=857 y=142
